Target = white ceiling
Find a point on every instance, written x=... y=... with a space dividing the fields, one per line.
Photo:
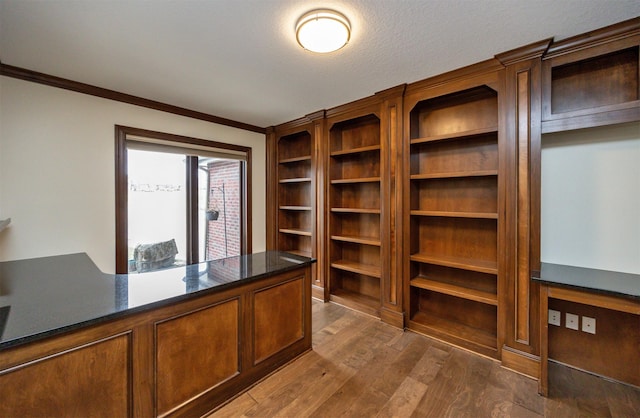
x=238 y=59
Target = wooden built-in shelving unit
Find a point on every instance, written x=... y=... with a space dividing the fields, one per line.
x=295 y=193
x=422 y=202
x=354 y=213
x=453 y=237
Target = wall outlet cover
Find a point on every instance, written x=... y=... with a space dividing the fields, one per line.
x=589 y=325
x=554 y=317
x=571 y=321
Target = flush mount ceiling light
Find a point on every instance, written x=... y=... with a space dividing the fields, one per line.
x=323 y=31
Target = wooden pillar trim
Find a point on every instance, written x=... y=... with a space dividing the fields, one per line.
x=523 y=210
x=393 y=140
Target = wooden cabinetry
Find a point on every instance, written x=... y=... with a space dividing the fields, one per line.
x=354 y=208
x=183 y=358
x=453 y=194
x=294 y=197
x=295 y=194
x=592 y=79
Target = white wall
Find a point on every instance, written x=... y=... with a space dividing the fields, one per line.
x=57 y=169
x=591 y=198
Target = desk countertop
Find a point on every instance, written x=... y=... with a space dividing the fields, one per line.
x=50 y=295
x=612 y=283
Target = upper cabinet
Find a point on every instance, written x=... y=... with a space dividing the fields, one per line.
x=592 y=79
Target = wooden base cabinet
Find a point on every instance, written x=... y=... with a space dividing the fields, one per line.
x=182 y=359
x=453 y=196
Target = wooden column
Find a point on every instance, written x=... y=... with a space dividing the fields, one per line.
x=391 y=187
x=521 y=234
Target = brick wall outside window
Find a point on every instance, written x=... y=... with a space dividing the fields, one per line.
x=225 y=173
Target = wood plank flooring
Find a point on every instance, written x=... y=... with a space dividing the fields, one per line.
x=361 y=367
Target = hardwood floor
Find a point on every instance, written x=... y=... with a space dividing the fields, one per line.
x=361 y=367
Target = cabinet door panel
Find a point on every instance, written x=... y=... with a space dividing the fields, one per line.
x=92 y=380
x=279 y=319
x=196 y=352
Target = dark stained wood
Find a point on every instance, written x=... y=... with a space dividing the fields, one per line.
x=181 y=359
x=61 y=384
x=361 y=367
x=53 y=81
x=616 y=331
x=452 y=142
x=519 y=237
x=355 y=146
x=279 y=318
x=196 y=352
x=391 y=191
x=605 y=80
x=592 y=79
x=293 y=191
x=611 y=352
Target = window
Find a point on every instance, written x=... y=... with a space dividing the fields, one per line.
x=179 y=200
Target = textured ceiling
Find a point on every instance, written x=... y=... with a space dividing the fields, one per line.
x=238 y=59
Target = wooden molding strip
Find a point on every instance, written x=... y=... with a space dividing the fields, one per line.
x=610 y=33
x=63 y=83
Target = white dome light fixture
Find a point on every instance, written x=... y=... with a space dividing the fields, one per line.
x=323 y=31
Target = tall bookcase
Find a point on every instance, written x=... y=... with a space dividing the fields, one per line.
x=454 y=214
x=295 y=194
x=354 y=211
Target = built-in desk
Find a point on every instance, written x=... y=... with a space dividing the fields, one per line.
x=599 y=288
x=77 y=342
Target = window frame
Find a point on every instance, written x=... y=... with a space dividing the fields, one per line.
x=122 y=134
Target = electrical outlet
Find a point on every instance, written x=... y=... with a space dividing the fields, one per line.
x=571 y=321
x=589 y=325
x=554 y=317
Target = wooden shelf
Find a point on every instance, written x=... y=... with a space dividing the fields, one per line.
x=456 y=135
x=448 y=214
x=357 y=180
x=301 y=208
x=357 y=301
x=355 y=210
x=354 y=267
x=456 y=174
x=299 y=252
x=296 y=180
x=481 y=266
x=357 y=240
x=295 y=232
x=454 y=290
x=355 y=150
x=476 y=339
x=295 y=159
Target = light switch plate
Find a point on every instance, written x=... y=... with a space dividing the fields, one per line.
x=571 y=321
x=554 y=317
x=589 y=325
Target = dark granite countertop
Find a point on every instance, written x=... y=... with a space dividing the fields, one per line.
x=46 y=296
x=612 y=283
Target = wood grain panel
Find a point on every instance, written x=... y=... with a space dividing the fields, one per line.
x=90 y=380
x=464 y=238
x=459 y=112
x=459 y=155
x=523 y=214
x=612 y=351
x=606 y=80
x=196 y=352
x=278 y=318
x=477 y=194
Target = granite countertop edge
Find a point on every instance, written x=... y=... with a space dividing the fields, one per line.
x=29 y=338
